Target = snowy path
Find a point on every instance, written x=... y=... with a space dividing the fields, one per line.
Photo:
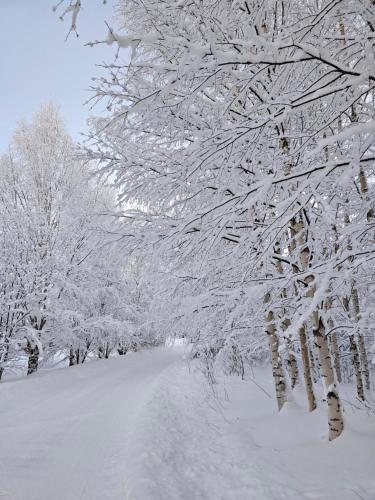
x=65 y=434
x=142 y=427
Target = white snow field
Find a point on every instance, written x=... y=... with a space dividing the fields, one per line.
x=145 y=427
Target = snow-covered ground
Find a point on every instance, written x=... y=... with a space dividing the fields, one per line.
x=145 y=427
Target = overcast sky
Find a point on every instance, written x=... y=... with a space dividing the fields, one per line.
x=37 y=65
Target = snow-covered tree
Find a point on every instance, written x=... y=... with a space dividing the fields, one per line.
x=245 y=140
x=65 y=289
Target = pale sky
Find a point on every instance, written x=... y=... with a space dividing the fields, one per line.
x=37 y=65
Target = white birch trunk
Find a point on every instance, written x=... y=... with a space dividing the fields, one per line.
x=361 y=341
x=335 y=416
x=298 y=242
x=357 y=368
x=307 y=369
x=277 y=367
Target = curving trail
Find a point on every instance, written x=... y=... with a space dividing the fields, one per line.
x=146 y=427
x=66 y=434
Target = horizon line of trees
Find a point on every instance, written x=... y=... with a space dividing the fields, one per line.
x=68 y=290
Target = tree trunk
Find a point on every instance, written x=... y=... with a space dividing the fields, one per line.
x=335 y=354
x=291 y=359
x=307 y=368
x=277 y=368
x=314 y=367
x=84 y=356
x=357 y=368
x=107 y=351
x=33 y=361
x=364 y=361
x=335 y=417
x=293 y=366
x=72 y=357
x=4 y=358
x=298 y=242
x=334 y=347
x=361 y=341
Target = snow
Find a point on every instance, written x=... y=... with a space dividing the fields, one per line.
x=147 y=426
x=65 y=434
x=235 y=446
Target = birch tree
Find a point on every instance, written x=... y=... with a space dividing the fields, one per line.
x=233 y=123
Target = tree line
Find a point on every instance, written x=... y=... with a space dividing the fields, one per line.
x=67 y=290
x=241 y=136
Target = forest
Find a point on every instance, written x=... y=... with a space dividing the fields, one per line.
x=222 y=203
